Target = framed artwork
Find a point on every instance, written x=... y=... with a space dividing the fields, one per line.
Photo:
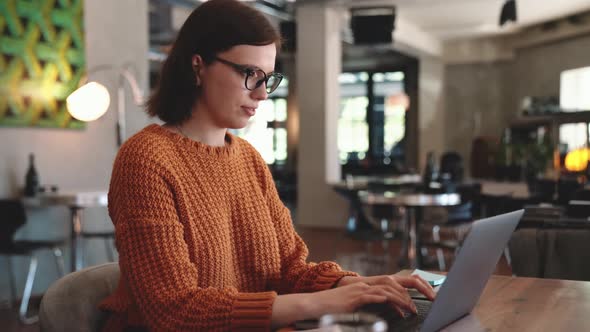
x=41 y=61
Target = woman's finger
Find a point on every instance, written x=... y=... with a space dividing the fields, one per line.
x=369 y=299
x=419 y=284
x=426 y=288
x=396 y=298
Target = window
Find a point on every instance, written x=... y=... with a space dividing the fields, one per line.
x=574 y=87
x=372 y=122
x=574 y=96
x=390 y=107
x=573 y=136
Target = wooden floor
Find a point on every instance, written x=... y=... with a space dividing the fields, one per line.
x=324 y=244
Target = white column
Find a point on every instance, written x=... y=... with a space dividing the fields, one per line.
x=318 y=64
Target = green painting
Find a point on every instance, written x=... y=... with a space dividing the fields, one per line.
x=41 y=61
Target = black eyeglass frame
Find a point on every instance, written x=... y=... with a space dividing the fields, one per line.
x=249 y=71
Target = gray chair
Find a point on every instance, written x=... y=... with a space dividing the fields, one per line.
x=70 y=304
x=12 y=217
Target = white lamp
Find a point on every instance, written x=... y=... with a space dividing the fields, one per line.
x=91 y=101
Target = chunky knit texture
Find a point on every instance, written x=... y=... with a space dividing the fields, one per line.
x=204 y=241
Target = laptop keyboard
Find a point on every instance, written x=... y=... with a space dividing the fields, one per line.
x=395 y=322
x=423 y=307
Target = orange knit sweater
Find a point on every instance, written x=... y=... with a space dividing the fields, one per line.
x=204 y=241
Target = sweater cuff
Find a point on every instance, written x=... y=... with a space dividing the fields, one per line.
x=252 y=311
x=328 y=279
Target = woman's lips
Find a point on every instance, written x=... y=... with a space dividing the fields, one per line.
x=249 y=110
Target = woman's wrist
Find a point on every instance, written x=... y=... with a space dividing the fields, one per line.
x=346 y=280
x=290 y=308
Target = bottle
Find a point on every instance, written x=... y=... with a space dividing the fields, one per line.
x=32 y=178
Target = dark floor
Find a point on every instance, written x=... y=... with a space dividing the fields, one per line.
x=323 y=244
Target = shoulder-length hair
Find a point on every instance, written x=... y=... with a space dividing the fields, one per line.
x=212 y=28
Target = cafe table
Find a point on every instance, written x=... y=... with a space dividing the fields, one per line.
x=413 y=202
x=351 y=185
x=76 y=201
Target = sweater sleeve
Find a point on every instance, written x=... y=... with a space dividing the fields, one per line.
x=154 y=258
x=297 y=275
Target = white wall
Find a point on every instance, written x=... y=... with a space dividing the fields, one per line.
x=319 y=59
x=116 y=32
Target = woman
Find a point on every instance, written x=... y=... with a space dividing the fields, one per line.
x=204 y=241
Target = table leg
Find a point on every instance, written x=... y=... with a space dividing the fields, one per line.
x=413 y=245
x=76 y=244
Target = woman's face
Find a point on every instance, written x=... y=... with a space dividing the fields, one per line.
x=224 y=98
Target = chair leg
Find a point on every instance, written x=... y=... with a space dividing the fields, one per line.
x=508 y=258
x=24 y=305
x=109 y=247
x=441 y=259
x=12 y=281
x=59 y=261
x=439 y=252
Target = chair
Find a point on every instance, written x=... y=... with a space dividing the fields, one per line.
x=445 y=229
x=90 y=231
x=71 y=303
x=12 y=217
x=108 y=237
x=387 y=223
x=451 y=163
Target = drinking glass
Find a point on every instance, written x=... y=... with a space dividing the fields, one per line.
x=352 y=322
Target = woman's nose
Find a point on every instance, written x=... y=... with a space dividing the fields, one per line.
x=260 y=92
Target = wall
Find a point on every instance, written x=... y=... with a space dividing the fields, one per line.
x=431 y=111
x=474 y=103
x=116 y=32
x=482 y=98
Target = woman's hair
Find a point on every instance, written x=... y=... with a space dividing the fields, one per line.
x=212 y=28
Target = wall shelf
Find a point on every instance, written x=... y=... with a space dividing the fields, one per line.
x=550 y=119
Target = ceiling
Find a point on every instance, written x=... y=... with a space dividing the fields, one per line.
x=435 y=21
x=452 y=19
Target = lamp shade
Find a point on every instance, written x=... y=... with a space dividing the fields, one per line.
x=577 y=160
x=89 y=102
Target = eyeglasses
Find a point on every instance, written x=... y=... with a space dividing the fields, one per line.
x=255 y=76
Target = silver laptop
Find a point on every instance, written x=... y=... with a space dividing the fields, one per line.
x=467 y=278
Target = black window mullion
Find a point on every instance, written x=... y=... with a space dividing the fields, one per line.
x=371 y=118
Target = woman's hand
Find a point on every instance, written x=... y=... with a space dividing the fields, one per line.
x=293 y=307
x=395 y=281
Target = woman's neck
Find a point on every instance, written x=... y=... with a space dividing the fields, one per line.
x=201 y=128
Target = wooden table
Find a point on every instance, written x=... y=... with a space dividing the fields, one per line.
x=528 y=304
x=531 y=304
x=76 y=202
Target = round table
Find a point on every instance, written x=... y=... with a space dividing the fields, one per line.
x=411 y=201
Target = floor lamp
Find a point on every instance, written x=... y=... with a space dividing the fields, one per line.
x=91 y=100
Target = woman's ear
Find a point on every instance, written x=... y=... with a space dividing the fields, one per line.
x=197 y=64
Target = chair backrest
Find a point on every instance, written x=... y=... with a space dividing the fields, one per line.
x=452 y=163
x=71 y=303
x=12 y=217
x=469 y=207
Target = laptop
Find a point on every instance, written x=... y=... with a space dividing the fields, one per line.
x=465 y=281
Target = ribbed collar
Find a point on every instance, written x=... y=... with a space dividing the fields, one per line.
x=227 y=150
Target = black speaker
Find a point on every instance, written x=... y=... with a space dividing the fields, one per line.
x=372 y=25
x=289 y=34
x=508 y=12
